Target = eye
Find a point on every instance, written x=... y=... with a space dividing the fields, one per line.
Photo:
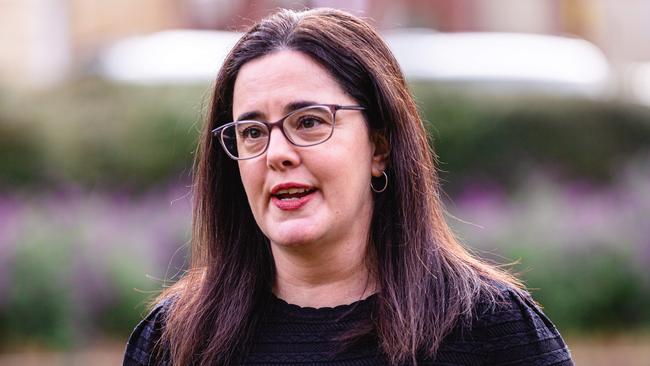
x=252 y=132
x=309 y=122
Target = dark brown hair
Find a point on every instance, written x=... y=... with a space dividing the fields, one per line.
x=427 y=282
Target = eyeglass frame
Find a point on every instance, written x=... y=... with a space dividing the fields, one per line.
x=218 y=132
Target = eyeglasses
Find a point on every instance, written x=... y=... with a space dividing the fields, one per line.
x=307 y=126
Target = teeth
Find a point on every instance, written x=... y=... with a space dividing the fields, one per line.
x=291 y=191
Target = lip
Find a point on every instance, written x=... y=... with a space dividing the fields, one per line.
x=293 y=204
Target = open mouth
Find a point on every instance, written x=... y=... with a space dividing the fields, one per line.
x=292 y=193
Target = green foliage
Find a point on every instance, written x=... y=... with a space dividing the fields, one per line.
x=594 y=289
x=37 y=306
x=76 y=267
x=98 y=134
x=20 y=157
x=45 y=305
x=583 y=250
x=502 y=139
x=125 y=310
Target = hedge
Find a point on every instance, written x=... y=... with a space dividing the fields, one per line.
x=97 y=134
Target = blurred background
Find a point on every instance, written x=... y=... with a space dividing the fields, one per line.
x=539 y=112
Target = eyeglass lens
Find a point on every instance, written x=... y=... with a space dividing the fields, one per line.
x=303 y=127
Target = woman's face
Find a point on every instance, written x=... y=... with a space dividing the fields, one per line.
x=336 y=205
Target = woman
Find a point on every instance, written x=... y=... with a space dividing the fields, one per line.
x=318 y=232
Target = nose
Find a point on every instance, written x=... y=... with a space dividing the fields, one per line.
x=280 y=154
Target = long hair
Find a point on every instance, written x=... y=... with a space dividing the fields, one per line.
x=427 y=282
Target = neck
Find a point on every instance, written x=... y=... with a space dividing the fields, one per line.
x=322 y=275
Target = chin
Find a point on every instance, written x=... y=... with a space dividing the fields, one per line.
x=293 y=234
x=292 y=240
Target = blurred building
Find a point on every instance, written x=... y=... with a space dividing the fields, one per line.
x=46 y=41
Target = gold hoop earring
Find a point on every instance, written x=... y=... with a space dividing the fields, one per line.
x=382 y=188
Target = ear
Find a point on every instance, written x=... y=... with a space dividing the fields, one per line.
x=381 y=151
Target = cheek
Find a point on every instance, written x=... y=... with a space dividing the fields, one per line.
x=350 y=169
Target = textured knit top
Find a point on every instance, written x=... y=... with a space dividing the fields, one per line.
x=513 y=333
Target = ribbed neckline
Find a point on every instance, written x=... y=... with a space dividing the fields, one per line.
x=338 y=311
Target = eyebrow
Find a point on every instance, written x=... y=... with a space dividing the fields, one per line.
x=254 y=115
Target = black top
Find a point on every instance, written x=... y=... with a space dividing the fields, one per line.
x=514 y=333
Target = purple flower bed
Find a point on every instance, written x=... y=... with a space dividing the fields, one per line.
x=85 y=262
x=547 y=214
x=583 y=250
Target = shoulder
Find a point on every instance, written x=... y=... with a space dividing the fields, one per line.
x=141 y=347
x=515 y=331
